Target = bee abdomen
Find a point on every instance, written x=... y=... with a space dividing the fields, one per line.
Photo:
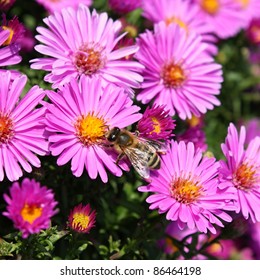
x=154 y=162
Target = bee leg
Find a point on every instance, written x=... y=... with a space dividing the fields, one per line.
x=120 y=156
x=137 y=133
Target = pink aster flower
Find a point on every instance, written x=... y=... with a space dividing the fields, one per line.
x=10 y=33
x=123 y=7
x=78 y=121
x=80 y=43
x=183 y=13
x=249 y=9
x=252 y=129
x=156 y=124
x=223 y=16
x=15 y=27
x=30 y=206
x=6 y=4
x=240 y=173
x=21 y=127
x=186 y=188
x=178 y=72
x=82 y=218
x=56 y=5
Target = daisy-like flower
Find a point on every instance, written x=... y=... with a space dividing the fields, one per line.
x=80 y=43
x=240 y=174
x=6 y=4
x=56 y=5
x=178 y=72
x=10 y=34
x=123 y=7
x=78 y=120
x=195 y=134
x=253 y=31
x=223 y=16
x=183 y=13
x=21 y=127
x=82 y=218
x=249 y=9
x=30 y=206
x=186 y=188
x=156 y=124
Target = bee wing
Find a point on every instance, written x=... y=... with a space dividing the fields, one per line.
x=159 y=147
x=139 y=160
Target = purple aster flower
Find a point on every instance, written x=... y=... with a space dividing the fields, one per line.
x=9 y=55
x=21 y=127
x=82 y=218
x=186 y=188
x=240 y=173
x=80 y=43
x=195 y=134
x=10 y=34
x=253 y=31
x=183 y=13
x=6 y=4
x=224 y=16
x=30 y=206
x=56 y=5
x=78 y=121
x=156 y=124
x=123 y=7
x=178 y=72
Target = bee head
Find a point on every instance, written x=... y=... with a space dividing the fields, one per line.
x=113 y=134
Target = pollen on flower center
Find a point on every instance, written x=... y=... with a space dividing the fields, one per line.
x=30 y=213
x=172 y=75
x=178 y=21
x=6 y=128
x=90 y=129
x=156 y=125
x=185 y=190
x=245 y=177
x=80 y=221
x=10 y=37
x=210 y=6
x=89 y=59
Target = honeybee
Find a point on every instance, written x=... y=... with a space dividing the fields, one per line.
x=141 y=152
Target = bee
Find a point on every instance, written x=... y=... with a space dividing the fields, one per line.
x=141 y=152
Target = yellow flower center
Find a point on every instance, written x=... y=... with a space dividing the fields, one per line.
x=210 y=6
x=6 y=128
x=178 y=21
x=89 y=59
x=194 y=121
x=90 y=129
x=185 y=190
x=156 y=125
x=31 y=212
x=172 y=75
x=245 y=177
x=132 y=31
x=9 y=39
x=80 y=221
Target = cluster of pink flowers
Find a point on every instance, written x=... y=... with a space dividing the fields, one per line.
x=171 y=67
